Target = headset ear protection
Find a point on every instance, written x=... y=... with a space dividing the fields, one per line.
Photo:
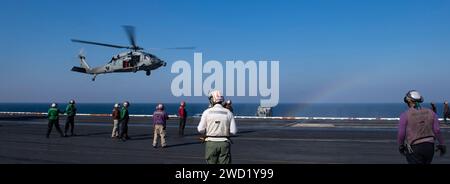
x=211 y=100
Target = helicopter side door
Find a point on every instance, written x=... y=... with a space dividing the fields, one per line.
x=135 y=60
x=131 y=61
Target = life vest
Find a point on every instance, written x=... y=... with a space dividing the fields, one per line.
x=218 y=122
x=159 y=118
x=419 y=126
x=53 y=113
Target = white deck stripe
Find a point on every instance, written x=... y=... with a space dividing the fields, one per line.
x=237 y=117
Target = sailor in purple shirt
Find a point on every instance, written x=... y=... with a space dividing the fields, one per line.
x=417 y=131
x=159 y=125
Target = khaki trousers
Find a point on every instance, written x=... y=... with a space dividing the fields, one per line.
x=159 y=130
x=115 y=131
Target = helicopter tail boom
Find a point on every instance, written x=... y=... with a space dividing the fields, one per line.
x=84 y=66
x=79 y=69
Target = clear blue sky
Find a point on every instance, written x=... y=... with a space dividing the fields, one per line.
x=329 y=50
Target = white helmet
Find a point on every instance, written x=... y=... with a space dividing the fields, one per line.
x=116 y=105
x=216 y=96
x=72 y=101
x=54 y=105
x=413 y=96
x=160 y=107
x=126 y=104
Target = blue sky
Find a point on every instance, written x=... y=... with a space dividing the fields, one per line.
x=329 y=50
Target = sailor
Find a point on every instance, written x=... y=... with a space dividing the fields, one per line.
x=71 y=111
x=228 y=105
x=446 y=111
x=124 y=118
x=53 y=119
x=115 y=117
x=218 y=124
x=159 y=126
x=433 y=107
x=418 y=129
x=182 y=114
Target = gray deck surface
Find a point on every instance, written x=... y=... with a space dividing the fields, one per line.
x=22 y=140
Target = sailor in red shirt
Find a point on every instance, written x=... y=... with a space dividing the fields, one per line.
x=182 y=114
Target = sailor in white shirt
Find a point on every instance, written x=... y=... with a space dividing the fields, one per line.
x=218 y=124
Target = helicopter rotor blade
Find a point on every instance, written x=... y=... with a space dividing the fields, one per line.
x=131 y=35
x=101 y=44
x=174 y=48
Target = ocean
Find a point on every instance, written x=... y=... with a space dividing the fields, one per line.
x=357 y=110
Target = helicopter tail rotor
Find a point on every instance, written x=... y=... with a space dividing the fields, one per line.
x=81 y=53
x=82 y=57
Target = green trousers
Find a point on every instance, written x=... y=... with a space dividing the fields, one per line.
x=218 y=152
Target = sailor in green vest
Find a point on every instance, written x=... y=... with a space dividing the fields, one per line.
x=71 y=111
x=53 y=119
x=124 y=118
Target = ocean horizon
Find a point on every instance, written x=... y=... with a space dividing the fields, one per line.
x=354 y=110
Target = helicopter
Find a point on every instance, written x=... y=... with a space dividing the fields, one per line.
x=136 y=59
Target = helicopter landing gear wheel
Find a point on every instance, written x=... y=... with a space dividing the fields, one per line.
x=93 y=78
x=147 y=73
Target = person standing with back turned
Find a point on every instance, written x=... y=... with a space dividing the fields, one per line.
x=446 y=111
x=159 y=126
x=124 y=118
x=53 y=119
x=115 y=117
x=71 y=111
x=228 y=105
x=182 y=114
x=418 y=128
x=433 y=107
x=218 y=123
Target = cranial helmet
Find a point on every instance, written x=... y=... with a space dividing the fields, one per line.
x=215 y=97
x=72 y=102
x=54 y=105
x=183 y=103
x=413 y=96
x=116 y=105
x=228 y=102
x=160 y=107
x=126 y=104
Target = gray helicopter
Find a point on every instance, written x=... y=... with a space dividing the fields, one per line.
x=131 y=61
